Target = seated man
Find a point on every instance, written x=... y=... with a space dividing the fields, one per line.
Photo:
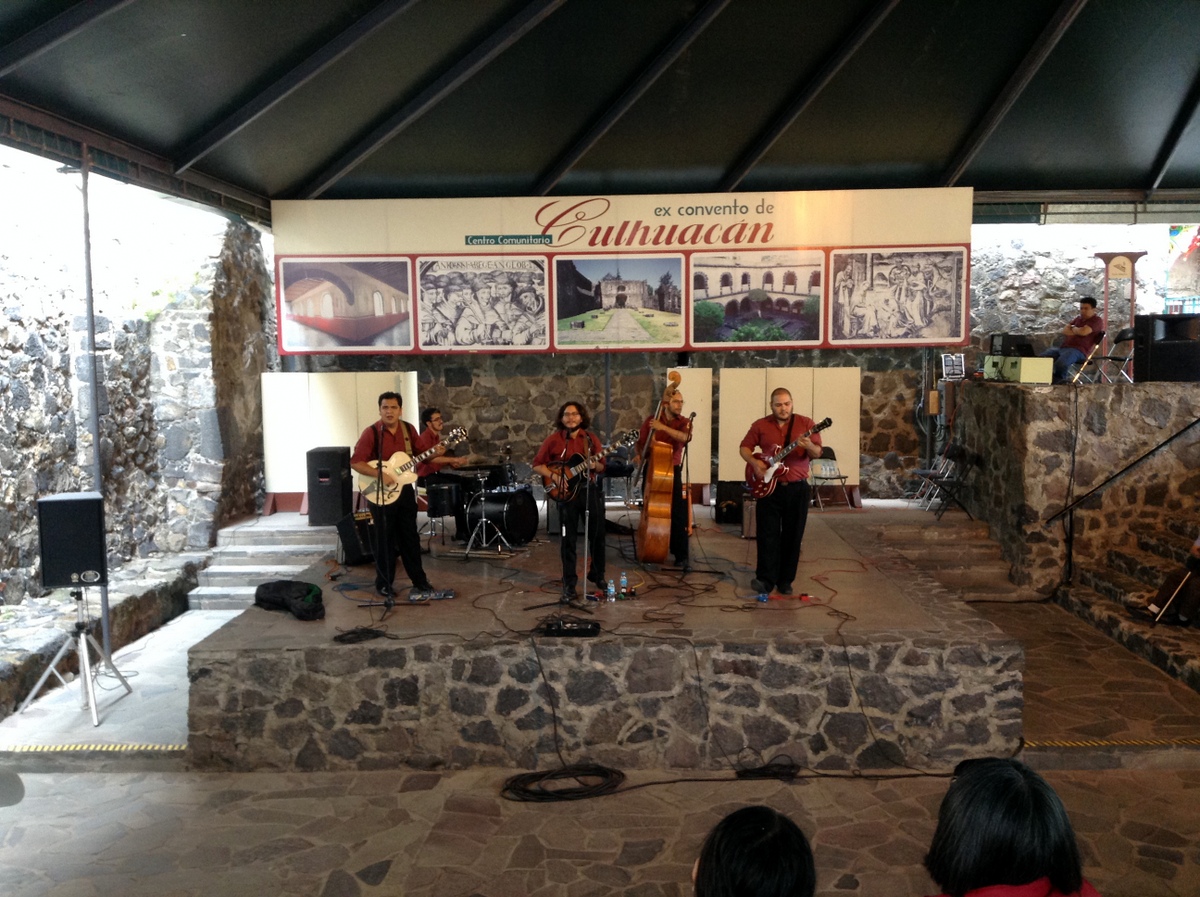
x=1183 y=609
x=1084 y=332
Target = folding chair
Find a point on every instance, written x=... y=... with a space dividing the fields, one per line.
x=823 y=471
x=1093 y=361
x=1121 y=364
x=949 y=486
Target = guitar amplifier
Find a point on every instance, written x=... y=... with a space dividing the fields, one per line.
x=356 y=537
x=748 y=508
x=1018 y=370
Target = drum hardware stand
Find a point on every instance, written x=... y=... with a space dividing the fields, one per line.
x=481 y=528
x=80 y=640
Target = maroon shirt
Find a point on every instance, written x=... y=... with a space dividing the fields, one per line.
x=558 y=447
x=364 y=449
x=1085 y=343
x=766 y=436
x=680 y=423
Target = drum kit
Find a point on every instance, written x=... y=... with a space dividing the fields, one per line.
x=500 y=509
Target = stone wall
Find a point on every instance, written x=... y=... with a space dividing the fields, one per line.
x=633 y=703
x=1041 y=447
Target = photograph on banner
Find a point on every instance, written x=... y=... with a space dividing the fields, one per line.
x=487 y=302
x=618 y=302
x=757 y=298
x=898 y=296
x=1183 y=272
x=344 y=304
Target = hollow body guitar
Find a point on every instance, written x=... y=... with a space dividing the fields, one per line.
x=761 y=488
x=402 y=467
x=564 y=479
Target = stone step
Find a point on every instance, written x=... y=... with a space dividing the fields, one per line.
x=221 y=598
x=247 y=536
x=301 y=553
x=973 y=577
x=956 y=530
x=1164 y=545
x=949 y=553
x=1117 y=587
x=1174 y=650
x=247 y=575
x=1146 y=570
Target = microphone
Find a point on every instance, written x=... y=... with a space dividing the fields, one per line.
x=692 y=416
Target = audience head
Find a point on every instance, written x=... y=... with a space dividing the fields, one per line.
x=1000 y=823
x=755 y=852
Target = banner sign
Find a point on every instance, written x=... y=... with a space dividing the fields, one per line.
x=624 y=273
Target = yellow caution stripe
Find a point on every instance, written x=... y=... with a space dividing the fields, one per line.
x=61 y=748
x=1131 y=742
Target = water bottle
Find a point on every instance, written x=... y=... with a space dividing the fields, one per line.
x=624 y=585
x=612 y=591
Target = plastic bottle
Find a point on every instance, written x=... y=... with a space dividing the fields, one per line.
x=624 y=585
x=612 y=591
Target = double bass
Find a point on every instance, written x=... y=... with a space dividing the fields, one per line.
x=654 y=527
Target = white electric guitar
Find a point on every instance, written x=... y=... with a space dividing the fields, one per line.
x=402 y=467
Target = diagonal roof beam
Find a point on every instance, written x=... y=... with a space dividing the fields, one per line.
x=629 y=96
x=1183 y=120
x=805 y=95
x=1017 y=82
x=50 y=34
x=462 y=71
x=293 y=80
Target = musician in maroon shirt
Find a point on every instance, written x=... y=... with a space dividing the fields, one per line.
x=572 y=438
x=396 y=520
x=781 y=516
x=676 y=430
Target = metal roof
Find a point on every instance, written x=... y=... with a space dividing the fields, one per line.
x=237 y=102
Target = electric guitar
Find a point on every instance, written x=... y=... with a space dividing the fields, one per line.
x=761 y=488
x=564 y=479
x=403 y=469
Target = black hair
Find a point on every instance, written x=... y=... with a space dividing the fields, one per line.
x=1001 y=823
x=1087 y=300
x=427 y=415
x=759 y=851
x=391 y=395
x=585 y=419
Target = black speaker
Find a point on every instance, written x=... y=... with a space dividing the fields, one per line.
x=356 y=532
x=329 y=485
x=1166 y=348
x=71 y=531
x=730 y=495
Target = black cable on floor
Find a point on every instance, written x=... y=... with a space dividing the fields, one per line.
x=592 y=780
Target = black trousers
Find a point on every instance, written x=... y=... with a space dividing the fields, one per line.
x=396 y=535
x=571 y=518
x=679 y=518
x=780 y=519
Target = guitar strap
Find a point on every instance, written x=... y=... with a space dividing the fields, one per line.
x=788 y=441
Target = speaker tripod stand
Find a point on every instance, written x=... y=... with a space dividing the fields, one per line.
x=79 y=640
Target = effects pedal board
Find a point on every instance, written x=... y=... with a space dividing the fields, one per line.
x=570 y=628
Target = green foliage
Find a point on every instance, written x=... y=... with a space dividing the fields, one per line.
x=758 y=331
x=707 y=319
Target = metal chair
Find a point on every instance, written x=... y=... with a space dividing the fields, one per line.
x=823 y=471
x=949 y=485
x=1090 y=369
x=1121 y=364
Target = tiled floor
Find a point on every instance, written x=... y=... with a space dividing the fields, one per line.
x=1111 y=733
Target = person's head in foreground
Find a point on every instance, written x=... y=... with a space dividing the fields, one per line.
x=1000 y=823
x=755 y=852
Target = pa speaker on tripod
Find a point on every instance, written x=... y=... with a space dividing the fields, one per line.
x=71 y=531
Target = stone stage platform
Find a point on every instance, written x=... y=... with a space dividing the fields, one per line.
x=881 y=666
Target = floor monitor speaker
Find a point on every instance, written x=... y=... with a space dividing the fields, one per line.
x=71 y=530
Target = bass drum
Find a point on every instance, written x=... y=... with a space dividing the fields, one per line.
x=514 y=514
